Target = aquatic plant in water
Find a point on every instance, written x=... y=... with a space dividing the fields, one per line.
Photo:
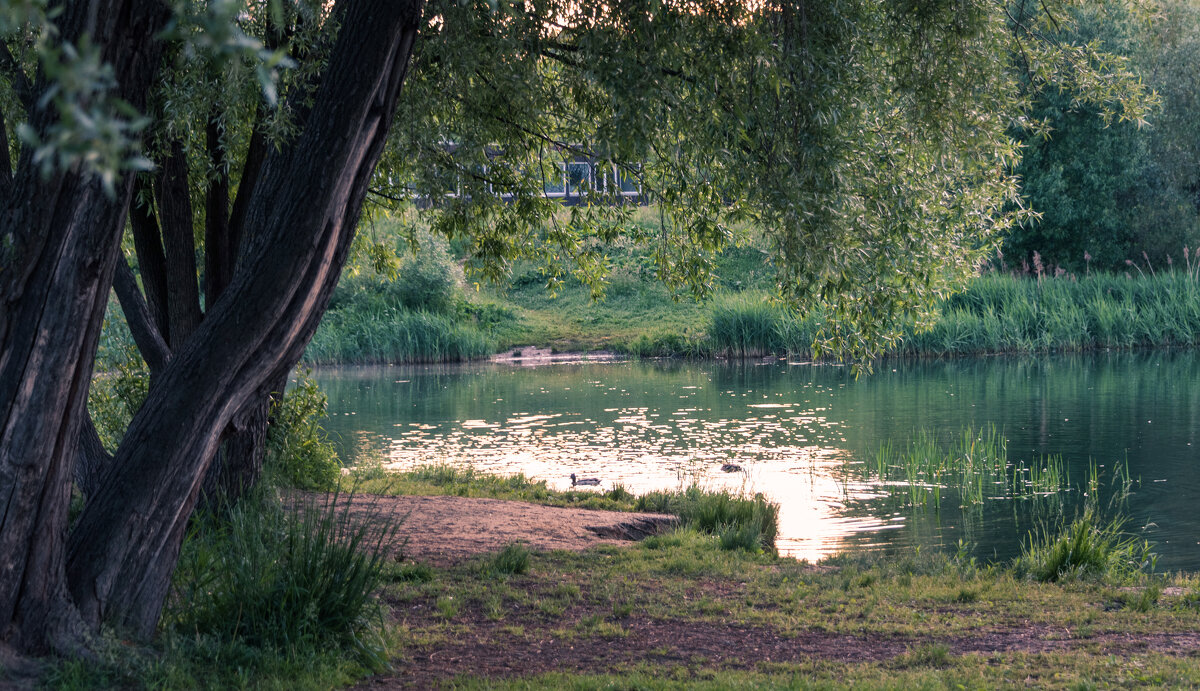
x=972 y=466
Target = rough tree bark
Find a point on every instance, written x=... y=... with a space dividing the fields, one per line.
x=299 y=224
x=179 y=246
x=62 y=237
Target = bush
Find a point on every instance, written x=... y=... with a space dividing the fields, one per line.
x=425 y=279
x=298 y=452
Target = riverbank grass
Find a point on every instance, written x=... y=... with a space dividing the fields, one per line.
x=677 y=611
x=739 y=521
x=423 y=310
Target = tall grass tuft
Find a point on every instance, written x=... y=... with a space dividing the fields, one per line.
x=378 y=334
x=749 y=523
x=513 y=560
x=749 y=325
x=1087 y=548
x=298 y=579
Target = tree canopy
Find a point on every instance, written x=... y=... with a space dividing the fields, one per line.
x=870 y=137
x=1106 y=191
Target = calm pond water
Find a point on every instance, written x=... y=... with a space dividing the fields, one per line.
x=807 y=435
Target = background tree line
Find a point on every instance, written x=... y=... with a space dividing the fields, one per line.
x=1107 y=191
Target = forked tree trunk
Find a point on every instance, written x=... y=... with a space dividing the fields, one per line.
x=63 y=236
x=238 y=463
x=300 y=222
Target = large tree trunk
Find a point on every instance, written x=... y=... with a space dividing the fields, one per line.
x=238 y=463
x=54 y=278
x=299 y=225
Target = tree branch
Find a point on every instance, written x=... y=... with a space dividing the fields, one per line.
x=145 y=334
x=91 y=459
x=179 y=246
x=6 y=171
x=220 y=252
x=256 y=152
x=153 y=264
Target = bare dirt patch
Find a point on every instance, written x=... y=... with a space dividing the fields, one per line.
x=445 y=530
x=531 y=356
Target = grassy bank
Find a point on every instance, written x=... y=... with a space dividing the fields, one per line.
x=995 y=314
x=675 y=612
x=737 y=522
x=422 y=311
x=681 y=610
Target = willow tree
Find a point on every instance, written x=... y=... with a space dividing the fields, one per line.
x=868 y=136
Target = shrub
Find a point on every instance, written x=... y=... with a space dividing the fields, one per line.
x=298 y=451
x=422 y=277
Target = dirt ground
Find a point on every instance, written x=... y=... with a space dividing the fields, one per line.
x=445 y=530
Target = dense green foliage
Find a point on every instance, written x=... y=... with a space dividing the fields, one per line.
x=298 y=453
x=880 y=169
x=404 y=305
x=1107 y=192
x=264 y=596
x=287 y=579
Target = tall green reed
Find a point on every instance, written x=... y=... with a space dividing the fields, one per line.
x=996 y=313
x=969 y=467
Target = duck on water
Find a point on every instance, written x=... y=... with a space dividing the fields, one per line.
x=590 y=481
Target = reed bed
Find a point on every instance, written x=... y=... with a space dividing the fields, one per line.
x=750 y=325
x=996 y=313
x=380 y=334
x=969 y=469
x=1000 y=313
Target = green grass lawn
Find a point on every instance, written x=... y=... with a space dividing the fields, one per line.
x=686 y=609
